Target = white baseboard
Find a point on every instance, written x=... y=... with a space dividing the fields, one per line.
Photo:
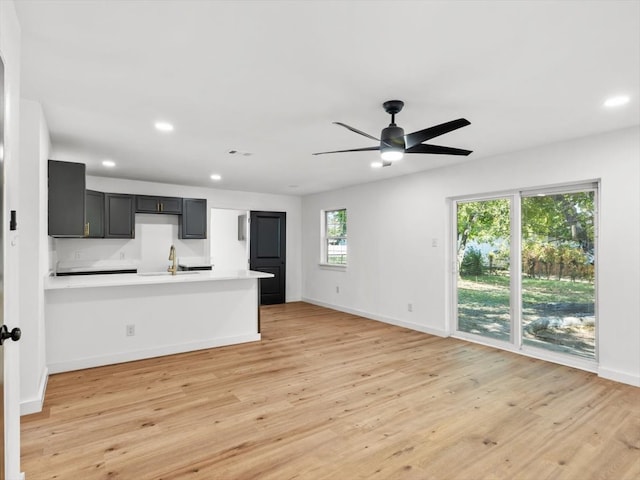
x=90 y=362
x=619 y=376
x=34 y=405
x=380 y=318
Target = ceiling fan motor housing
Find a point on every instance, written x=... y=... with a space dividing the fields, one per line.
x=392 y=137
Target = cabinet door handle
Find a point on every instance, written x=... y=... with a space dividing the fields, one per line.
x=161 y=207
x=86 y=229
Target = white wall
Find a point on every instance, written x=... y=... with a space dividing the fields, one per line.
x=34 y=152
x=413 y=211
x=227 y=252
x=236 y=200
x=10 y=51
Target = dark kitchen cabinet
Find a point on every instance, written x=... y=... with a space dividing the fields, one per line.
x=152 y=204
x=66 y=199
x=94 y=218
x=119 y=214
x=193 y=222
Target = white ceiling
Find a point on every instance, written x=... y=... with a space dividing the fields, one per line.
x=269 y=77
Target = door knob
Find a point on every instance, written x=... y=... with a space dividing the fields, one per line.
x=5 y=334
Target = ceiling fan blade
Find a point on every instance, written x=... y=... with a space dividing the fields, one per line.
x=437 y=149
x=355 y=130
x=365 y=149
x=420 y=136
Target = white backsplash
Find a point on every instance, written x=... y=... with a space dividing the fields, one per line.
x=154 y=236
x=157 y=233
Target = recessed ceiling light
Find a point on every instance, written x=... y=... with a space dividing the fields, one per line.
x=376 y=164
x=216 y=177
x=108 y=163
x=616 y=101
x=164 y=126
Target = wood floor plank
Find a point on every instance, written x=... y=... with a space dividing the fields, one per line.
x=329 y=395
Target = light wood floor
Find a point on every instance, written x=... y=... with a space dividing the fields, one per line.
x=327 y=395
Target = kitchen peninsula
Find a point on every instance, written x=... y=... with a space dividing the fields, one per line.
x=95 y=320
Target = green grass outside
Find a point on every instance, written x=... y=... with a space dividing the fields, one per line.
x=494 y=290
x=483 y=308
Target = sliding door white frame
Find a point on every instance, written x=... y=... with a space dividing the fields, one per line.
x=516 y=342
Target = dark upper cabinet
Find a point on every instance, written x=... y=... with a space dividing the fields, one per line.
x=94 y=218
x=66 y=199
x=119 y=215
x=193 y=222
x=152 y=204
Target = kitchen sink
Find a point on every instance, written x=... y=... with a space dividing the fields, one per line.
x=162 y=274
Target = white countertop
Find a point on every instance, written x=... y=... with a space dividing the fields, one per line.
x=74 y=266
x=125 y=279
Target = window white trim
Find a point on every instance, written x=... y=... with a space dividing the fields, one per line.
x=333 y=266
x=324 y=239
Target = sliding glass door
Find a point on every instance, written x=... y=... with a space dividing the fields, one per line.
x=526 y=270
x=558 y=272
x=483 y=250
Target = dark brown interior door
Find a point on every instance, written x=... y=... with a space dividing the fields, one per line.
x=268 y=245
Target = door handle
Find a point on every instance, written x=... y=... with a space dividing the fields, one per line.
x=5 y=334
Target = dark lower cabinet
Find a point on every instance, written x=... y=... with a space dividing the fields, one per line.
x=94 y=218
x=193 y=222
x=119 y=212
x=66 y=199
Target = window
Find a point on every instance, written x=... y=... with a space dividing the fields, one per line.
x=335 y=237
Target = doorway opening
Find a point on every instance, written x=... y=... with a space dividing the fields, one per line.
x=229 y=239
x=256 y=240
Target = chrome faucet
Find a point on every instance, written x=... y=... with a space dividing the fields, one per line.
x=172 y=256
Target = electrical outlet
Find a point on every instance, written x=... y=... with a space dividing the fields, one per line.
x=410 y=307
x=121 y=255
x=337 y=289
x=434 y=242
x=76 y=255
x=131 y=330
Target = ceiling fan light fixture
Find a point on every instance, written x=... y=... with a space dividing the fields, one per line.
x=392 y=143
x=392 y=154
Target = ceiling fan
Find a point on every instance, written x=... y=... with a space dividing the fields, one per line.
x=393 y=143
